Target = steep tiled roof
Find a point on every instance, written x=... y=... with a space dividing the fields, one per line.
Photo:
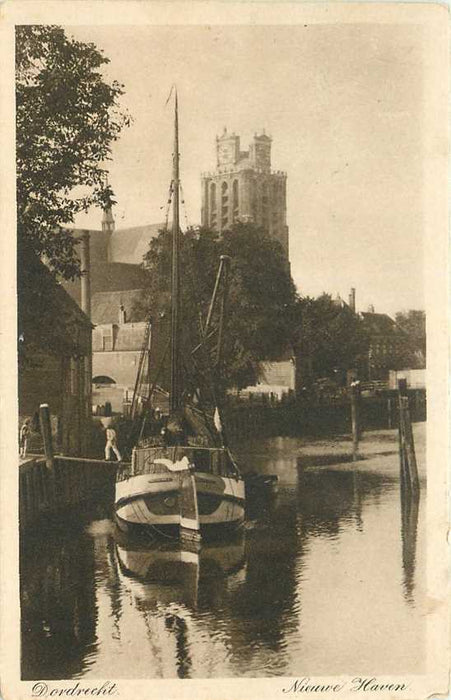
x=129 y=245
x=48 y=317
x=380 y=324
x=98 y=246
x=124 y=245
x=107 y=277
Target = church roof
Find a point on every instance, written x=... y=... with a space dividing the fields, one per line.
x=124 y=245
x=129 y=245
x=109 y=277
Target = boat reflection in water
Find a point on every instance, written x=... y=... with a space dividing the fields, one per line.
x=166 y=581
x=173 y=572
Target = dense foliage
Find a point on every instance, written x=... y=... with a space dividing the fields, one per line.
x=329 y=337
x=67 y=118
x=413 y=322
x=260 y=299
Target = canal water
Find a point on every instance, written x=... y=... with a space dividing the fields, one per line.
x=326 y=578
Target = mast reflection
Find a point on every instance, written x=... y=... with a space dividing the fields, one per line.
x=169 y=579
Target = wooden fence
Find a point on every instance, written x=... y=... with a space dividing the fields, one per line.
x=301 y=417
x=71 y=483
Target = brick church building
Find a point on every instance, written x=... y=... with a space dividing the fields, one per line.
x=115 y=280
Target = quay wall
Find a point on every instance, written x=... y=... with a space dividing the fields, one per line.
x=298 y=418
x=71 y=484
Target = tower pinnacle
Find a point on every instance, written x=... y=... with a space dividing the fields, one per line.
x=108 y=220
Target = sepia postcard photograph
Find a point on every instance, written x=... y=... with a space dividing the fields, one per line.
x=225 y=350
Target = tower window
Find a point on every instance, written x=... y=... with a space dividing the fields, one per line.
x=213 y=197
x=235 y=194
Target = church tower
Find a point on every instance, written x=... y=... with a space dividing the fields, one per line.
x=244 y=188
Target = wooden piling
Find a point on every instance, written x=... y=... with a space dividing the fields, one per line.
x=402 y=390
x=355 y=419
x=46 y=432
x=407 y=458
x=410 y=461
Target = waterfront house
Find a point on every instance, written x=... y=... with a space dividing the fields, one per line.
x=54 y=356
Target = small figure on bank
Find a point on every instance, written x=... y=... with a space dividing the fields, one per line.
x=164 y=436
x=23 y=437
x=157 y=423
x=111 y=444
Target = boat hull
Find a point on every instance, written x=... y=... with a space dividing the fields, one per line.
x=154 y=500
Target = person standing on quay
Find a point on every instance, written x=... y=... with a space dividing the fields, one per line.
x=111 y=444
x=23 y=437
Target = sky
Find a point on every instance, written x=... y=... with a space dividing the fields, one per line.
x=344 y=105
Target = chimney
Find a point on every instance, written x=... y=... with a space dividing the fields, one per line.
x=122 y=315
x=352 y=299
x=371 y=309
x=85 y=269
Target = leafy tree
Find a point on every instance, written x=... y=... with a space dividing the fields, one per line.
x=413 y=322
x=67 y=118
x=328 y=336
x=260 y=299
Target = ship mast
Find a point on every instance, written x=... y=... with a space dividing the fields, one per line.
x=175 y=395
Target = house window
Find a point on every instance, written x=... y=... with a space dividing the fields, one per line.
x=107 y=339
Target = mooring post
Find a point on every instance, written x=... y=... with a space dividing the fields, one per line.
x=46 y=432
x=405 y=479
x=402 y=391
x=389 y=414
x=410 y=456
x=407 y=457
x=355 y=417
